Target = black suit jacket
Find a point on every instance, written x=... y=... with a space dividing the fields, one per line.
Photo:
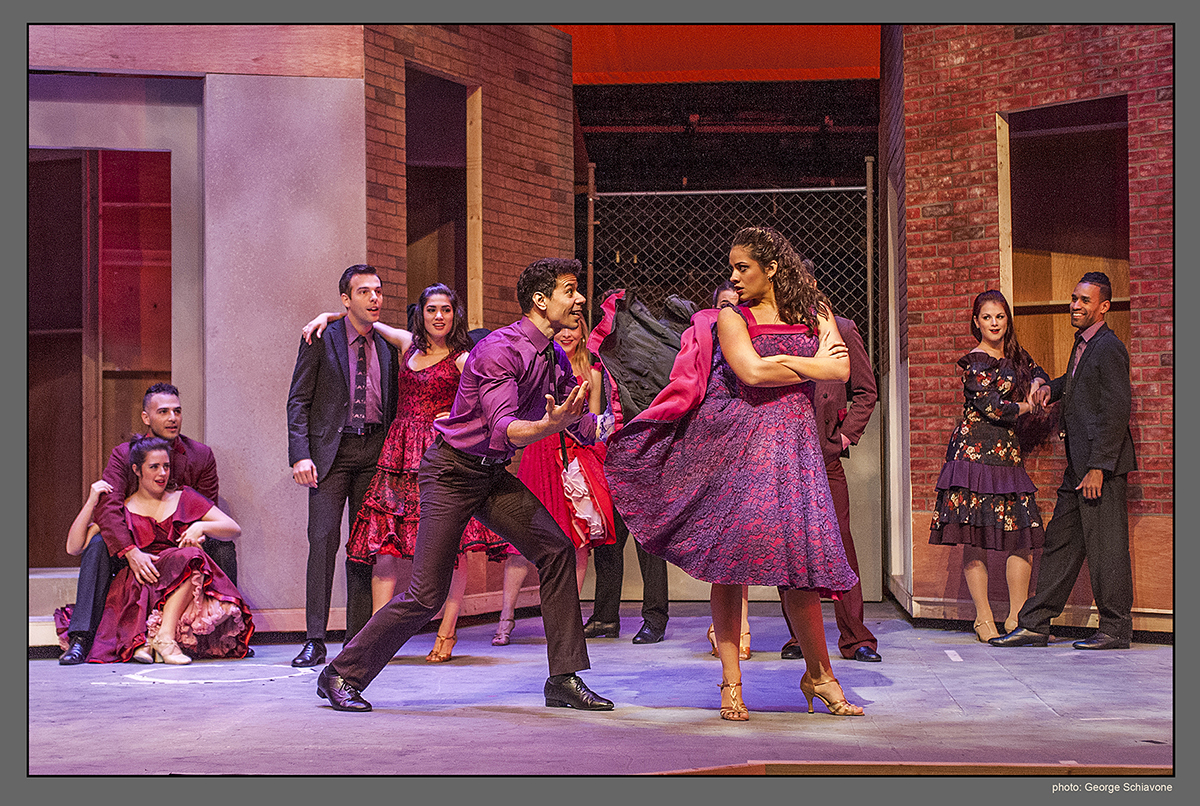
x=1096 y=406
x=319 y=399
x=845 y=408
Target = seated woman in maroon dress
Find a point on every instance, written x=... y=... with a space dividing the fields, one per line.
x=184 y=607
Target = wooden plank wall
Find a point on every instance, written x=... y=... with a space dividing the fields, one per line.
x=322 y=51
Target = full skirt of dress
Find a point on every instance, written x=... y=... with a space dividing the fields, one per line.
x=581 y=505
x=216 y=622
x=391 y=508
x=734 y=491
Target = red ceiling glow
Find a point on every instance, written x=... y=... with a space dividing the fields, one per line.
x=648 y=54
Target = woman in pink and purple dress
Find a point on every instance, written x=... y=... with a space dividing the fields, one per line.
x=723 y=475
x=385 y=530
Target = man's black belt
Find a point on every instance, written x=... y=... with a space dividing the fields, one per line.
x=369 y=428
x=472 y=458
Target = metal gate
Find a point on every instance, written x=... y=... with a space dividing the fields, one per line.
x=665 y=243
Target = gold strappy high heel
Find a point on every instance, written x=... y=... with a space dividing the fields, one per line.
x=503 y=631
x=986 y=630
x=838 y=707
x=743 y=645
x=442 y=648
x=736 y=711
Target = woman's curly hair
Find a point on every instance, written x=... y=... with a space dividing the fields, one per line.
x=796 y=295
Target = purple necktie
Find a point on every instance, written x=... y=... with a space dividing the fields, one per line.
x=358 y=415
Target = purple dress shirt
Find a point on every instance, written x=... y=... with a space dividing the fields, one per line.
x=506 y=379
x=1085 y=337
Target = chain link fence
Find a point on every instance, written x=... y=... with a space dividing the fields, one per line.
x=664 y=243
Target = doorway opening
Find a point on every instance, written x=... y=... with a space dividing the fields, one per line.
x=99 y=321
x=436 y=196
x=1069 y=202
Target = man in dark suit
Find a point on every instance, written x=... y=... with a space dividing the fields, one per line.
x=636 y=350
x=192 y=465
x=843 y=411
x=342 y=400
x=1090 y=518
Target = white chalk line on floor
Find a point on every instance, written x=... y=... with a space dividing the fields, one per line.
x=185 y=675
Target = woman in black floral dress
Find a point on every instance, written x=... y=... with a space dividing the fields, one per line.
x=986 y=501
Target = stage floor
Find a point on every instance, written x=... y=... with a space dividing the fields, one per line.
x=938 y=698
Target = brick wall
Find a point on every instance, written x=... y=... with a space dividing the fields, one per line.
x=956 y=78
x=891 y=151
x=524 y=72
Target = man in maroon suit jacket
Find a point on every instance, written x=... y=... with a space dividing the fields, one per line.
x=842 y=418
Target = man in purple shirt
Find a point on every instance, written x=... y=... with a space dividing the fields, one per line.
x=508 y=397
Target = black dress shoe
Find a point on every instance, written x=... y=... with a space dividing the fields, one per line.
x=867 y=655
x=1021 y=637
x=312 y=653
x=341 y=695
x=574 y=693
x=1098 y=640
x=791 y=651
x=601 y=629
x=649 y=635
x=76 y=653
x=249 y=652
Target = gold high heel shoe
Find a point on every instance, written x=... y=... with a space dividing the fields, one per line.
x=712 y=639
x=838 y=707
x=168 y=651
x=736 y=711
x=985 y=630
x=143 y=654
x=442 y=648
x=1009 y=626
x=503 y=632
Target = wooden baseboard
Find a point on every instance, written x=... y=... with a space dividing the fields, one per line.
x=1073 y=615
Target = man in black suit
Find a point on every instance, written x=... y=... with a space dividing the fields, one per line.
x=637 y=351
x=341 y=403
x=1090 y=519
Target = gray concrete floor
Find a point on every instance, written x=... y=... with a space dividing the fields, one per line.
x=938 y=697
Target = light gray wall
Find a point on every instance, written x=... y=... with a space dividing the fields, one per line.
x=156 y=114
x=268 y=196
x=284 y=214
